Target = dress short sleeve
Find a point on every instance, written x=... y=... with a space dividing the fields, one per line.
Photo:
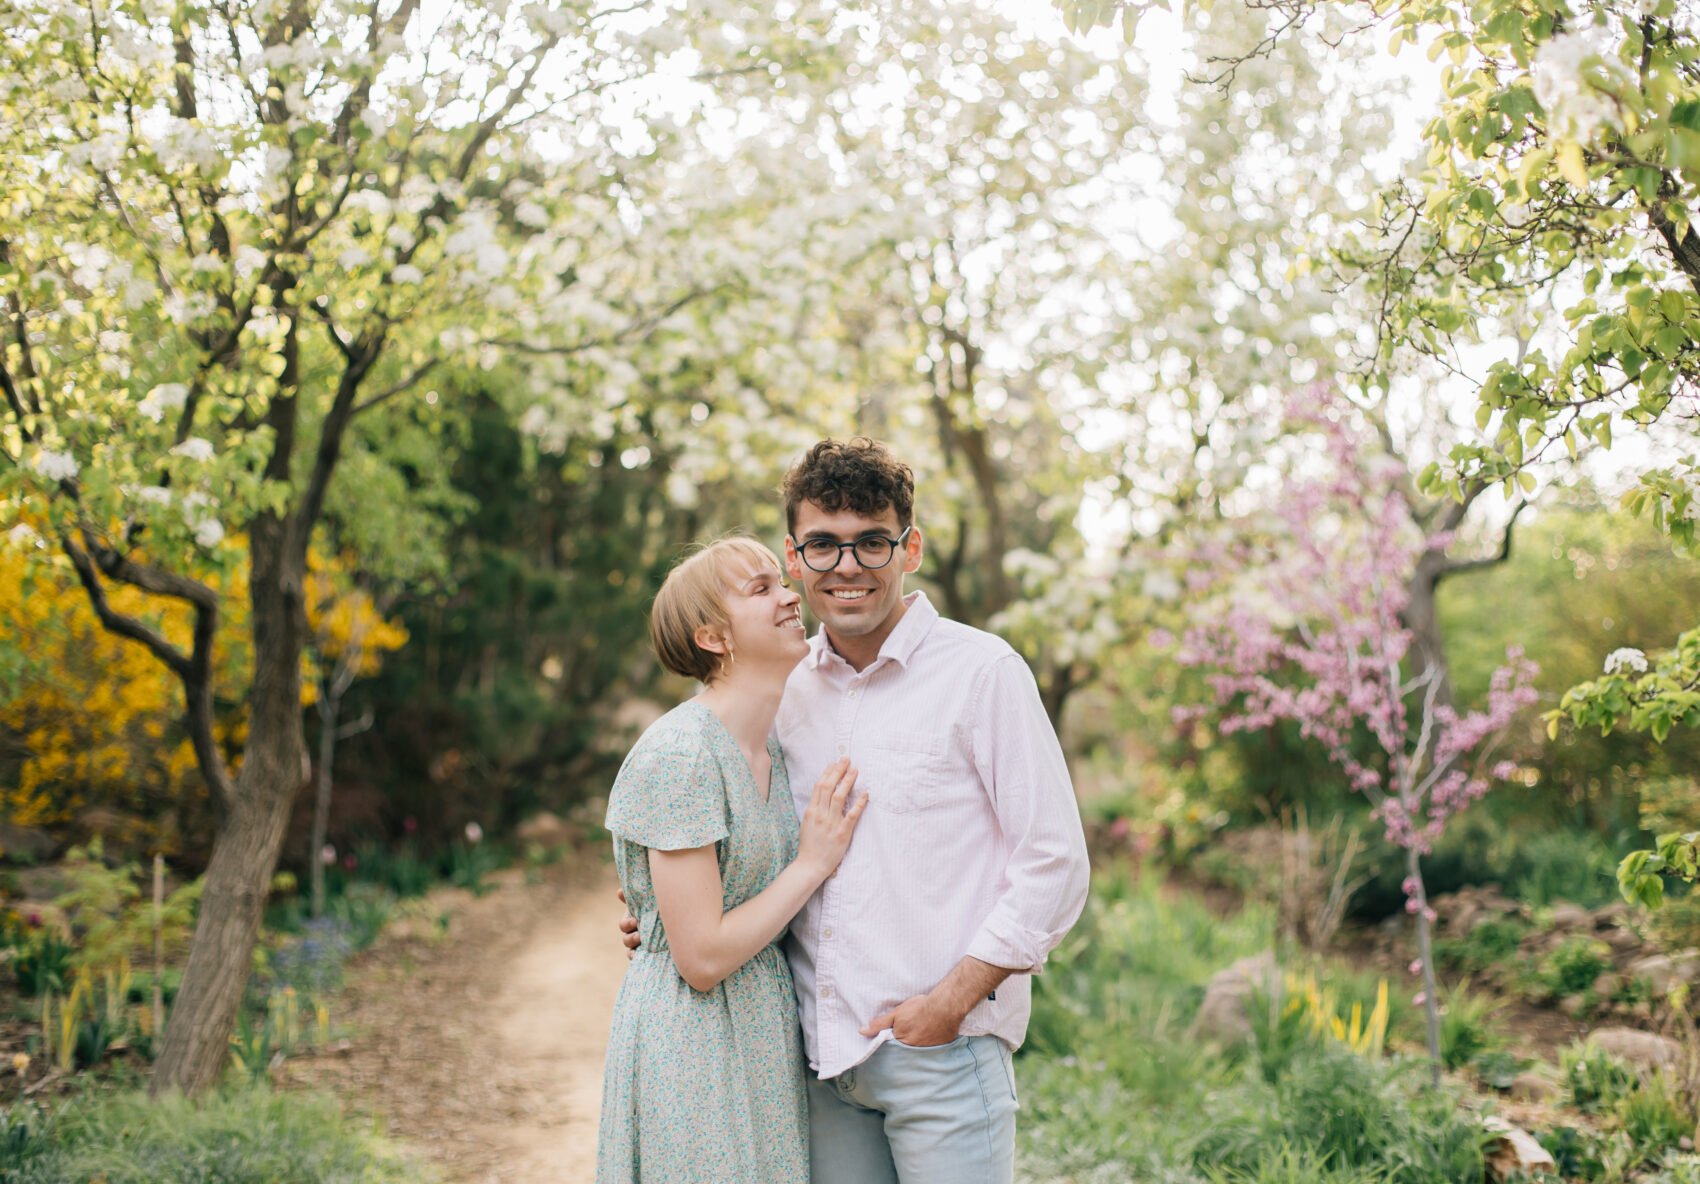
x=670 y=795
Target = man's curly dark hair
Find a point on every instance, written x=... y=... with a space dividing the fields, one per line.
x=859 y=475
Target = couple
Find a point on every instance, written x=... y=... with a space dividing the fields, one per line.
x=891 y=793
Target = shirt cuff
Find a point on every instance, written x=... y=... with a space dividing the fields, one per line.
x=1015 y=952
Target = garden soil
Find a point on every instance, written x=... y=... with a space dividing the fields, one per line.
x=480 y=1046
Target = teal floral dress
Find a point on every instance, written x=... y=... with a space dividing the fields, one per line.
x=702 y=1087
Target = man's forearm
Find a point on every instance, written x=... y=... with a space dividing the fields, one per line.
x=969 y=982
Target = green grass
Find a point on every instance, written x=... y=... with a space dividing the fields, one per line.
x=1113 y=1087
x=241 y=1135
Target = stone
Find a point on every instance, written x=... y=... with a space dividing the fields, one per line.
x=1646 y=1052
x=1607 y=916
x=1622 y=940
x=1657 y=969
x=1567 y=916
x=1532 y=1085
x=1607 y=985
x=1573 y=1005
x=1222 y=1017
x=1512 y=1152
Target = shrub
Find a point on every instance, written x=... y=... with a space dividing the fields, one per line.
x=238 y=1136
x=1652 y=1118
x=1593 y=1079
x=1349 y=1112
x=1487 y=947
x=1464 y=1034
x=1288 y=1165
x=42 y=962
x=1574 y=964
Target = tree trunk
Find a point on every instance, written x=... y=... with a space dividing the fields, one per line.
x=1422 y=618
x=329 y=710
x=1425 y=951
x=250 y=834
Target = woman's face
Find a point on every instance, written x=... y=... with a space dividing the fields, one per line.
x=765 y=622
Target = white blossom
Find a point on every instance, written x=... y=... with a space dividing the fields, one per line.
x=371 y=200
x=399 y=236
x=24 y=537
x=249 y=259
x=156 y=495
x=209 y=532
x=194 y=448
x=352 y=257
x=168 y=396
x=1629 y=657
x=407 y=274
x=474 y=832
x=55 y=466
x=529 y=213
x=1573 y=103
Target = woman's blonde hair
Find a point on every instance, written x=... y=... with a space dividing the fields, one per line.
x=694 y=595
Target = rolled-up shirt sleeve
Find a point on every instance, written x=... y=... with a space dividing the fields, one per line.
x=1022 y=768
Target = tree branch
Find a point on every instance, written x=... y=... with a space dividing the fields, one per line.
x=193 y=670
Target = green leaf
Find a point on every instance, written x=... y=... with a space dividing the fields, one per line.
x=1571 y=165
x=1682 y=150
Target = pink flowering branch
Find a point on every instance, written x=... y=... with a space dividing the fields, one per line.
x=1306 y=628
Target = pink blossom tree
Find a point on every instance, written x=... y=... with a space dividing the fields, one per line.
x=1306 y=624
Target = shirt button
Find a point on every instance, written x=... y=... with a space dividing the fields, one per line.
x=827 y=934
x=826 y=992
x=852 y=694
x=841 y=750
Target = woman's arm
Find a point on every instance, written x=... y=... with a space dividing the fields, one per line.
x=707 y=944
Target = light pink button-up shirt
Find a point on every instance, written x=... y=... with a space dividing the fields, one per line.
x=971 y=844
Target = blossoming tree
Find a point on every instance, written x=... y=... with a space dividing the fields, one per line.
x=1554 y=214
x=1305 y=626
x=237 y=241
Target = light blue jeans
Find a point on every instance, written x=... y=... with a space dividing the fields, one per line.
x=942 y=1115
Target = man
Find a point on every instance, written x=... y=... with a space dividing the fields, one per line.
x=911 y=963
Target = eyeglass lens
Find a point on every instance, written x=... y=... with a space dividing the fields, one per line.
x=824 y=554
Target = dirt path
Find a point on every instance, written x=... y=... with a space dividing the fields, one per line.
x=483 y=1048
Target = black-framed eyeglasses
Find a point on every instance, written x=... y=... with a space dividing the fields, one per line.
x=872 y=551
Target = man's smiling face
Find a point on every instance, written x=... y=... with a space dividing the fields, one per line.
x=852 y=601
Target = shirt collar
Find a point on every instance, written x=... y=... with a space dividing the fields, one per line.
x=900 y=644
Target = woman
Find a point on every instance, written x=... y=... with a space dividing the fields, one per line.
x=704 y=1076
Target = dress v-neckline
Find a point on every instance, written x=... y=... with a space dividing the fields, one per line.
x=765 y=793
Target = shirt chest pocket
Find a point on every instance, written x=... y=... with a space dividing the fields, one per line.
x=903 y=771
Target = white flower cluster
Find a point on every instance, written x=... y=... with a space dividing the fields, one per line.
x=194 y=448
x=1574 y=105
x=168 y=396
x=202 y=517
x=25 y=537
x=1627 y=657
x=55 y=466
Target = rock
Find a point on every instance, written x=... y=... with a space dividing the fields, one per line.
x=1622 y=940
x=1645 y=1051
x=1686 y=965
x=1641 y=1010
x=1567 y=916
x=1607 y=916
x=1222 y=1017
x=545 y=829
x=1573 y=1005
x=26 y=844
x=1607 y=985
x=1513 y=1152
x=1657 y=969
x=1532 y=1085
